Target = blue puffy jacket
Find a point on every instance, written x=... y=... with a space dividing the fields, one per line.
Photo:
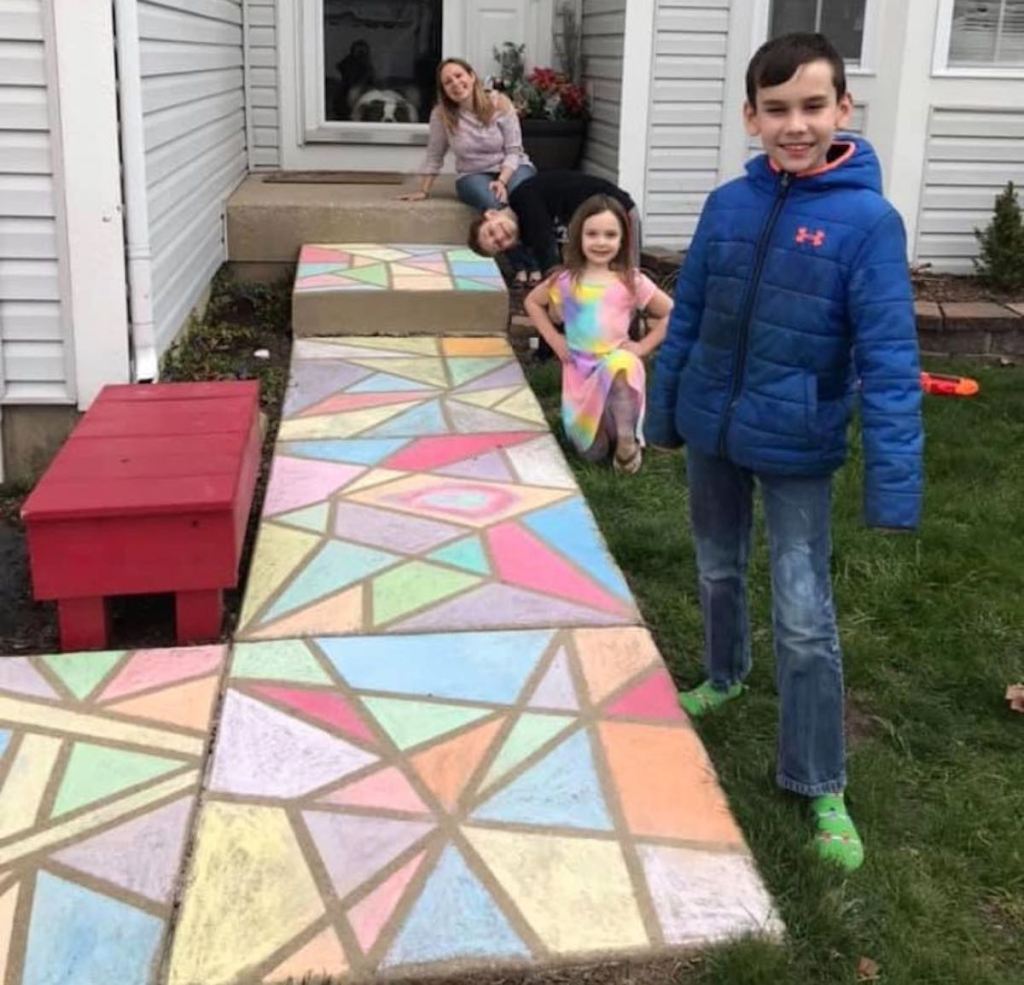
x=794 y=298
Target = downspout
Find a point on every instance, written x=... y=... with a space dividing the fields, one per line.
x=246 y=88
x=136 y=207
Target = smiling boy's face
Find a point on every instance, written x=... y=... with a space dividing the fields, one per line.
x=797 y=119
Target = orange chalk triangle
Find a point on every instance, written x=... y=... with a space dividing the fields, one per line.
x=447 y=767
x=624 y=653
x=340 y=613
x=323 y=955
x=188 y=705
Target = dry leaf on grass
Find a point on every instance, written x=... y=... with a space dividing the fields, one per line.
x=1015 y=695
x=868 y=970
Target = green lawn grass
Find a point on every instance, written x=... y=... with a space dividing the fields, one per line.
x=932 y=628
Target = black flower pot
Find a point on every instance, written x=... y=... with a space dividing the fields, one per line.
x=554 y=144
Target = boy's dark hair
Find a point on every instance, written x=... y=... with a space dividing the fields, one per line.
x=776 y=61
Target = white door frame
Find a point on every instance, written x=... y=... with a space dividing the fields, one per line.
x=308 y=141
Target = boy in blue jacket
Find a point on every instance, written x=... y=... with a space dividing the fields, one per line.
x=794 y=298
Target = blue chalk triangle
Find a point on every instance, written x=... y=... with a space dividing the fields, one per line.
x=467 y=554
x=357 y=451
x=562 y=789
x=420 y=420
x=455 y=916
x=386 y=383
x=79 y=937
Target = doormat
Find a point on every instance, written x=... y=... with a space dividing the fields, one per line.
x=335 y=178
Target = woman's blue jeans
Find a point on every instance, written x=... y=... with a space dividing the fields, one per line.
x=808 y=662
x=474 y=190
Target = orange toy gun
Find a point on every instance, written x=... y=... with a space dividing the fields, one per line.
x=949 y=386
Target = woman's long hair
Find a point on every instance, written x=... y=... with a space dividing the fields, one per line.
x=622 y=262
x=483 y=107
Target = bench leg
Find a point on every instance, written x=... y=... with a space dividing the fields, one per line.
x=198 y=615
x=83 y=623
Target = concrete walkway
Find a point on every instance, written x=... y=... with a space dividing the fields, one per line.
x=446 y=743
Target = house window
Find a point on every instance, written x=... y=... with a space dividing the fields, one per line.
x=380 y=57
x=841 y=21
x=987 y=34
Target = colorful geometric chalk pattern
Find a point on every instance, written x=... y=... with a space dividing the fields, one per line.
x=385 y=267
x=101 y=756
x=398 y=803
x=394 y=509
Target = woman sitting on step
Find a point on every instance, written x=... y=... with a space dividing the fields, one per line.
x=482 y=129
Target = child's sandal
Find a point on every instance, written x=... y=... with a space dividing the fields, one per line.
x=706 y=697
x=631 y=464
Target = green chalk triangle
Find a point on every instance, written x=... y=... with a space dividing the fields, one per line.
x=95 y=772
x=465 y=254
x=465 y=284
x=410 y=722
x=466 y=368
x=377 y=274
x=414 y=585
x=528 y=734
x=309 y=518
x=81 y=673
x=278 y=660
x=467 y=553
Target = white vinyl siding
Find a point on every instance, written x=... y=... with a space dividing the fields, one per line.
x=971 y=154
x=34 y=349
x=262 y=81
x=687 y=91
x=603 y=23
x=194 y=129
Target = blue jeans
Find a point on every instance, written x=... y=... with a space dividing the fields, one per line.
x=808 y=662
x=474 y=190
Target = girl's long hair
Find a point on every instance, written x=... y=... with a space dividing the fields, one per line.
x=622 y=262
x=483 y=107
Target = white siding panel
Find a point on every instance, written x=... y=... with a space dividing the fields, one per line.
x=604 y=24
x=685 y=137
x=194 y=130
x=262 y=82
x=971 y=153
x=33 y=327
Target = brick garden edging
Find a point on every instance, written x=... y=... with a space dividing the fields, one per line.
x=976 y=329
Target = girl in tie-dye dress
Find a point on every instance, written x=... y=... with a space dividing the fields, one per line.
x=595 y=295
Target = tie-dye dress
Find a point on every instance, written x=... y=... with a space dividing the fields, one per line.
x=597 y=318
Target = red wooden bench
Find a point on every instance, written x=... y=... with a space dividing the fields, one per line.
x=150 y=493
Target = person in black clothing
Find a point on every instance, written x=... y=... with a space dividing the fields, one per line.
x=535 y=206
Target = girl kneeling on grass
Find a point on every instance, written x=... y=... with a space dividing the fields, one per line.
x=595 y=295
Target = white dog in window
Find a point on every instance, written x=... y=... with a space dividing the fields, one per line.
x=384 y=106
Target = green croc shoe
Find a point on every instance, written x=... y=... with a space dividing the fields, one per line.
x=836 y=840
x=705 y=698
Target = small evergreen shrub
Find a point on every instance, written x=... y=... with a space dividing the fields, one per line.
x=1001 y=258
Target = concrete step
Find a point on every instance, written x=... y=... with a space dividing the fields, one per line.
x=388 y=289
x=267 y=222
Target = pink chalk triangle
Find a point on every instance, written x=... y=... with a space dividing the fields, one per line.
x=387 y=788
x=653 y=698
x=428 y=263
x=357 y=401
x=322 y=706
x=520 y=558
x=147 y=669
x=370 y=914
x=296 y=482
x=488 y=466
x=556 y=689
x=323 y=254
x=432 y=453
x=322 y=280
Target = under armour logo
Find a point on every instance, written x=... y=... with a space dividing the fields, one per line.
x=804 y=235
